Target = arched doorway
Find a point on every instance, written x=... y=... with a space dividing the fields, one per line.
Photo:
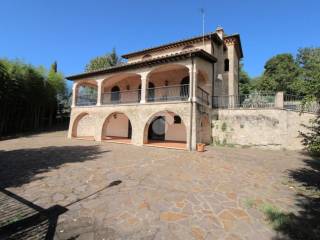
x=184 y=88
x=115 y=94
x=157 y=129
x=83 y=127
x=165 y=129
x=117 y=128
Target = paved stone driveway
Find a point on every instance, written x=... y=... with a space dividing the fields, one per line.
x=163 y=194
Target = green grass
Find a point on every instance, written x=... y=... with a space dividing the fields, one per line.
x=275 y=216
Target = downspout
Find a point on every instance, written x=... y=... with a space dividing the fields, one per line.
x=191 y=104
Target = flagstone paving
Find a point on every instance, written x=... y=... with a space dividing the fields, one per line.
x=163 y=193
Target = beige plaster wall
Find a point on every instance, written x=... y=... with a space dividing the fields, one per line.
x=116 y=126
x=85 y=126
x=269 y=128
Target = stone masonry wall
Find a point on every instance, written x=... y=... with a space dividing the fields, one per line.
x=140 y=116
x=266 y=128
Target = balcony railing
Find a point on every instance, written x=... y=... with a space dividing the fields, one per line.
x=203 y=96
x=132 y=96
x=86 y=100
x=168 y=93
x=156 y=94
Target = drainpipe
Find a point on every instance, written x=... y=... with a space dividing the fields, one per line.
x=191 y=104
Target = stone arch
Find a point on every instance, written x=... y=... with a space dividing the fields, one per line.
x=86 y=93
x=167 y=80
x=128 y=88
x=117 y=127
x=83 y=126
x=164 y=128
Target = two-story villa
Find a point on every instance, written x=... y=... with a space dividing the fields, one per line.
x=162 y=96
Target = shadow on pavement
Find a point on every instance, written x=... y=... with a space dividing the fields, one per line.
x=305 y=224
x=21 y=219
x=20 y=166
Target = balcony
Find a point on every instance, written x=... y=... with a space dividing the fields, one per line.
x=155 y=94
x=168 y=93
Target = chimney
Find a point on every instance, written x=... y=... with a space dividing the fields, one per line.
x=220 y=32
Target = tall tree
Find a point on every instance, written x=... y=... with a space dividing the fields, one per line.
x=245 y=86
x=309 y=61
x=28 y=96
x=102 y=62
x=54 y=66
x=281 y=71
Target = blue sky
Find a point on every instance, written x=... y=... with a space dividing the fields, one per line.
x=74 y=31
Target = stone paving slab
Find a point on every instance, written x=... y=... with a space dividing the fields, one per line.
x=163 y=194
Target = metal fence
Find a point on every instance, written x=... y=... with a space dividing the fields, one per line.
x=254 y=100
x=297 y=103
x=130 y=96
x=86 y=100
x=168 y=93
x=203 y=96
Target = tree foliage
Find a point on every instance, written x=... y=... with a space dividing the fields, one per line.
x=245 y=86
x=280 y=73
x=309 y=62
x=28 y=96
x=102 y=62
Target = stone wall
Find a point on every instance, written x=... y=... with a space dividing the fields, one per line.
x=266 y=128
x=139 y=115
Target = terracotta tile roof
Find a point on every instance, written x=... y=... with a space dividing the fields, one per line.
x=212 y=35
x=149 y=62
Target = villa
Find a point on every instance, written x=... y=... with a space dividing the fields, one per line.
x=161 y=97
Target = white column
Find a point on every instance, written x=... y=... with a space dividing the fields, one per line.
x=144 y=81
x=99 y=93
x=74 y=94
x=190 y=84
x=195 y=83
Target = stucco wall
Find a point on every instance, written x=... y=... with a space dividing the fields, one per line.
x=85 y=126
x=116 y=126
x=269 y=128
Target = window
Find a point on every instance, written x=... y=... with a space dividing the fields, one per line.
x=187 y=47
x=226 y=65
x=177 y=119
x=146 y=56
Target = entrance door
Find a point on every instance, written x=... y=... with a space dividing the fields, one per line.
x=157 y=129
x=129 y=129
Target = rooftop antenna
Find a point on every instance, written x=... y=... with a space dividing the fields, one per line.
x=203 y=15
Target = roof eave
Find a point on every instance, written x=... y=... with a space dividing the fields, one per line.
x=199 y=53
x=173 y=44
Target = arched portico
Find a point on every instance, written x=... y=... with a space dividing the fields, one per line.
x=165 y=82
x=121 y=88
x=85 y=93
x=83 y=126
x=165 y=129
x=117 y=127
